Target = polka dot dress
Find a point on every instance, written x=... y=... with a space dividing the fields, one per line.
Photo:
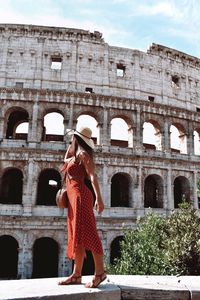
x=81 y=220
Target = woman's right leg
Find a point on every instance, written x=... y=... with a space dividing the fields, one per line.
x=78 y=262
x=75 y=278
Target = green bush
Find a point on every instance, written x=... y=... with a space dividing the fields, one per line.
x=162 y=246
x=182 y=241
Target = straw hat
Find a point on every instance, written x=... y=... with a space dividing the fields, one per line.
x=85 y=134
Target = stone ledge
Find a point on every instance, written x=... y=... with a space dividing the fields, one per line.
x=115 y=288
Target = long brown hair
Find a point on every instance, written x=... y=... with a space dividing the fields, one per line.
x=78 y=143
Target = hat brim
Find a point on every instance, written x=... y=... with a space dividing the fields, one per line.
x=88 y=141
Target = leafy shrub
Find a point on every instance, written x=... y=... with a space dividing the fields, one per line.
x=162 y=246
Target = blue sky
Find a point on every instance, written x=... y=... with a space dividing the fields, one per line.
x=133 y=24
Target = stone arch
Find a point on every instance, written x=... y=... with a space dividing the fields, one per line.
x=121 y=190
x=121 y=131
x=16 y=116
x=181 y=190
x=50 y=117
x=153 y=191
x=11 y=186
x=49 y=183
x=178 y=138
x=45 y=258
x=152 y=137
x=115 y=250
x=9 y=257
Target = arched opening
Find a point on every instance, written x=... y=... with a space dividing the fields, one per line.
x=197 y=141
x=120 y=190
x=11 y=186
x=181 y=190
x=119 y=132
x=48 y=184
x=53 y=130
x=178 y=139
x=8 y=257
x=89 y=121
x=115 y=251
x=16 y=118
x=45 y=258
x=152 y=138
x=153 y=191
x=22 y=131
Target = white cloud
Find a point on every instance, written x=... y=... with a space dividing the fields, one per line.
x=165 y=8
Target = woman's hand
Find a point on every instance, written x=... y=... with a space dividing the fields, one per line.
x=99 y=206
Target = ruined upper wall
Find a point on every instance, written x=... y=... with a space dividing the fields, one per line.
x=60 y=33
x=169 y=53
x=161 y=74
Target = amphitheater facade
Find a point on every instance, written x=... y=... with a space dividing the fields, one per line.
x=75 y=72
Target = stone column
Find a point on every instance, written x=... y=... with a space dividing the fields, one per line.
x=166 y=137
x=64 y=264
x=138 y=132
x=1 y=128
x=106 y=186
x=65 y=138
x=29 y=188
x=139 y=198
x=170 y=190
x=100 y=133
x=190 y=141
x=195 y=196
x=105 y=134
x=34 y=127
x=131 y=132
x=25 y=259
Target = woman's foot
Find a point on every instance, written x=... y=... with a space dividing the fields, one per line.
x=97 y=279
x=73 y=279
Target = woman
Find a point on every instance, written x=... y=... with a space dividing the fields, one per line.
x=82 y=232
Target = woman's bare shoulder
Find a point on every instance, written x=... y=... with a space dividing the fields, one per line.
x=83 y=155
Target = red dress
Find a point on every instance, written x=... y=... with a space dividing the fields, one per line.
x=81 y=220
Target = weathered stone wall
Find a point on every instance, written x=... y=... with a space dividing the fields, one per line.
x=27 y=82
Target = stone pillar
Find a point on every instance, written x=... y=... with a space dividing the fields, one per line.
x=195 y=196
x=139 y=130
x=65 y=138
x=170 y=190
x=1 y=128
x=64 y=264
x=106 y=186
x=34 y=126
x=166 y=137
x=131 y=132
x=4 y=58
x=25 y=259
x=29 y=188
x=100 y=133
x=105 y=134
x=138 y=193
x=190 y=141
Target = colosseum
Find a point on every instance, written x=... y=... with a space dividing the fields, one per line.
x=74 y=73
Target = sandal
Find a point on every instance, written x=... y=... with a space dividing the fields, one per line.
x=97 y=279
x=73 y=279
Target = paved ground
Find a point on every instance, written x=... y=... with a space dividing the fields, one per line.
x=115 y=288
